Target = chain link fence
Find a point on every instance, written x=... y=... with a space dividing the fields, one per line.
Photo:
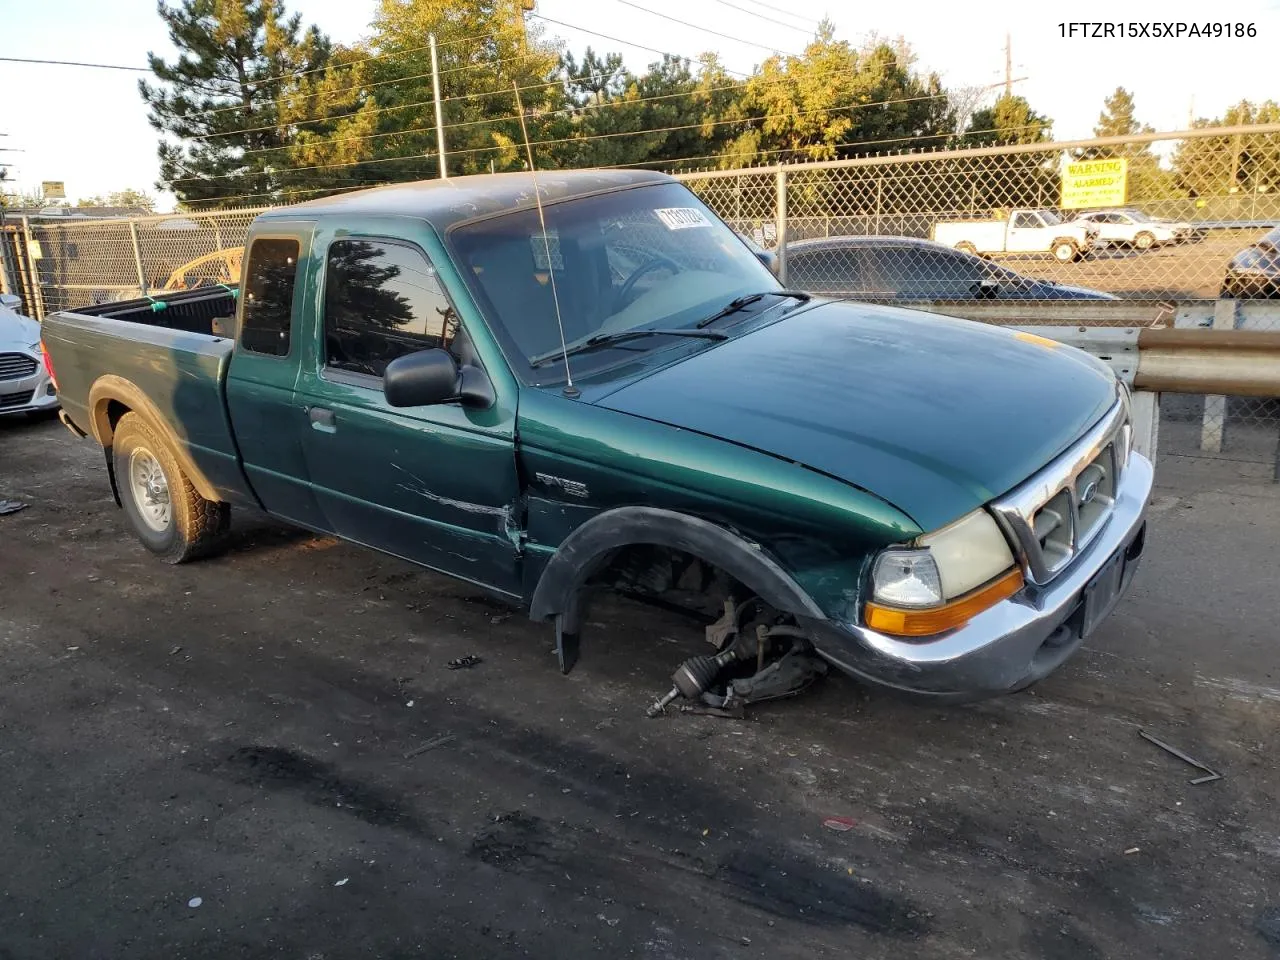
x=1187 y=219
x=83 y=262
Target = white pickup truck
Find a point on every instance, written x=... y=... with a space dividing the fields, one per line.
x=1025 y=231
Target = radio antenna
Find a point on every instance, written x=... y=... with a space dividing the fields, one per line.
x=569 y=390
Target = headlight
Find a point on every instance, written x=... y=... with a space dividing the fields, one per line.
x=943 y=579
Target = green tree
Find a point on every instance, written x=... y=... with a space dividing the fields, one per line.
x=1236 y=165
x=1009 y=120
x=838 y=101
x=1147 y=180
x=254 y=109
x=1117 y=118
x=484 y=47
x=121 y=198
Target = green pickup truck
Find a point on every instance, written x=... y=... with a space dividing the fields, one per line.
x=610 y=389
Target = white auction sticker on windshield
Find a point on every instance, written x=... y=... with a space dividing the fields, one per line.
x=682 y=218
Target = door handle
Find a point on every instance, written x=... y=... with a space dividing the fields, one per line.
x=322 y=419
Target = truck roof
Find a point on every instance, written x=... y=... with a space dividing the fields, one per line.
x=446 y=202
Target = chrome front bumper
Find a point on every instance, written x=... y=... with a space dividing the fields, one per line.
x=1014 y=643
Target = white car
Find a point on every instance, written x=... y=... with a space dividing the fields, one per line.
x=1135 y=228
x=25 y=385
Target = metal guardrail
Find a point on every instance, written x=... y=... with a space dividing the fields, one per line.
x=1211 y=362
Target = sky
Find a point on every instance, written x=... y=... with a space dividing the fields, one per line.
x=88 y=128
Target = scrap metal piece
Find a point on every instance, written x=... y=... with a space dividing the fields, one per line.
x=461 y=663
x=11 y=506
x=1212 y=774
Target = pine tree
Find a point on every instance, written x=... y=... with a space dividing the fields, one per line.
x=1009 y=120
x=1117 y=118
x=250 y=99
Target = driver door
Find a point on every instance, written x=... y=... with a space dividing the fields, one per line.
x=436 y=485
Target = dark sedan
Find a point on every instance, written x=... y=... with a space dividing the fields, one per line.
x=906 y=268
x=1254 y=272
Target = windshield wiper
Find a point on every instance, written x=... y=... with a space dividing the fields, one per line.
x=739 y=303
x=622 y=336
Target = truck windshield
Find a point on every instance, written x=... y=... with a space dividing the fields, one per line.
x=650 y=256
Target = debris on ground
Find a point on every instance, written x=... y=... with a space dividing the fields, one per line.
x=462 y=663
x=1211 y=774
x=1132 y=850
x=194 y=902
x=430 y=745
x=839 y=824
x=342 y=882
x=11 y=506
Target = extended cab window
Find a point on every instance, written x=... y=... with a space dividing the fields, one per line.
x=381 y=301
x=268 y=296
x=1024 y=220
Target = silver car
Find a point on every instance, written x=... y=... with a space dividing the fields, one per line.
x=25 y=385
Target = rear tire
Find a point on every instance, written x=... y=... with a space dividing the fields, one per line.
x=1065 y=251
x=1144 y=241
x=166 y=512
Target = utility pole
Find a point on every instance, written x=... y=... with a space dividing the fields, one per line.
x=1008 y=65
x=435 y=88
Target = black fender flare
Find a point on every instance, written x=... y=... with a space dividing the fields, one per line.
x=589 y=547
x=127 y=393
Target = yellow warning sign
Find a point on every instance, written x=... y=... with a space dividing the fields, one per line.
x=1094 y=183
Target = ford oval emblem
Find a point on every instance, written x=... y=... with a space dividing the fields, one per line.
x=1088 y=492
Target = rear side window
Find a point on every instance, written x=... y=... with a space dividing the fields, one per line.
x=381 y=301
x=268 y=296
x=1026 y=220
x=826 y=271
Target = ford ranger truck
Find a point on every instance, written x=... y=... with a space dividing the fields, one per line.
x=615 y=392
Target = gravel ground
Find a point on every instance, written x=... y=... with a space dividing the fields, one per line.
x=263 y=755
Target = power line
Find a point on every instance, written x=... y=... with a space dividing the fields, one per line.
x=627 y=43
x=470 y=96
x=716 y=33
x=769 y=6
x=358 y=86
x=75 y=63
x=587 y=139
x=591 y=108
x=752 y=13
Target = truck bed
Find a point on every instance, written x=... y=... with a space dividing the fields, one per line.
x=173 y=359
x=208 y=310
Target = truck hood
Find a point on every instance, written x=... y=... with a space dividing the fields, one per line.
x=935 y=415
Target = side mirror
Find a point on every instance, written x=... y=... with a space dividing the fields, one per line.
x=769 y=259
x=11 y=300
x=430 y=377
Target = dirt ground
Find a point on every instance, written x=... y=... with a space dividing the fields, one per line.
x=264 y=755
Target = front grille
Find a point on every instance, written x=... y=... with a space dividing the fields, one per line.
x=1057 y=513
x=15 y=366
x=19 y=399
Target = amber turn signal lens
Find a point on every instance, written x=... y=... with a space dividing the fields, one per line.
x=925 y=623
